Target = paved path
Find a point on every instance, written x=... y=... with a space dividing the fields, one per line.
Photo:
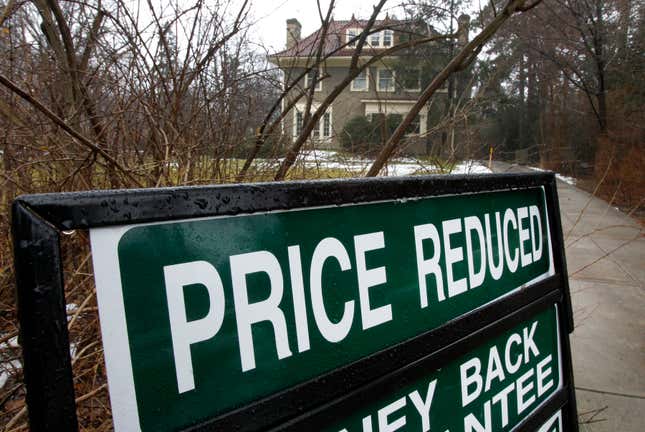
x=605 y=252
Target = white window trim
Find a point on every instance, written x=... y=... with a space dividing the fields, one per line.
x=358 y=32
x=295 y=124
x=378 y=80
x=391 y=32
x=319 y=84
x=381 y=39
x=321 y=123
x=367 y=80
x=417 y=89
x=402 y=107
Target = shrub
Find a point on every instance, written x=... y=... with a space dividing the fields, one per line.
x=357 y=135
x=365 y=136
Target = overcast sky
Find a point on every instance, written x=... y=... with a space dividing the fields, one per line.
x=270 y=17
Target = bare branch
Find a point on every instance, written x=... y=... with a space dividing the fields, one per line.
x=466 y=52
x=61 y=123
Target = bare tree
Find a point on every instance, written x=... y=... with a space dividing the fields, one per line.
x=463 y=58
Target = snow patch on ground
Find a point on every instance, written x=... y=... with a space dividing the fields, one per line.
x=568 y=180
x=327 y=159
x=9 y=367
x=11 y=343
x=70 y=308
x=470 y=167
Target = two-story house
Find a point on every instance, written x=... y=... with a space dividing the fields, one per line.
x=386 y=87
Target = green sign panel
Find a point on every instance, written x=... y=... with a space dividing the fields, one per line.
x=492 y=388
x=203 y=316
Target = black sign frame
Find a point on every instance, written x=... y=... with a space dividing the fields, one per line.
x=38 y=220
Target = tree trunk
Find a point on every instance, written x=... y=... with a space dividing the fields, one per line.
x=521 y=124
x=599 y=35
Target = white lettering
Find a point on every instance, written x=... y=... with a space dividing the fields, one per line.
x=185 y=333
x=543 y=372
x=384 y=424
x=453 y=255
x=509 y=217
x=494 y=369
x=329 y=248
x=495 y=269
x=522 y=389
x=536 y=241
x=423 y=405
x=523 y=213
x=510 y=366
x=248 y=314
x=472 y=424
x=298 y=289
x=475 y=278
x=502 y=398
x=428 y=266
x=368 y=278
x=529 y=343
x=467 y=379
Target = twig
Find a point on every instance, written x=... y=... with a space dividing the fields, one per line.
x=611 y=393
x=80 y=308
x=593 y=194
x=86 y=396
x=605 y=255
x=5 y=338
x=63 y=125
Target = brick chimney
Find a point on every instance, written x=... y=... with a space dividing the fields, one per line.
x=293 y=32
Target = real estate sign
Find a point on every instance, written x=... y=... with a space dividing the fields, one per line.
x=204 y=316
x=424 y=303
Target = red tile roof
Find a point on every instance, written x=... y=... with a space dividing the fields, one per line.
x=335 y=37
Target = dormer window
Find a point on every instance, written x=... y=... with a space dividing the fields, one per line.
x=375 y=39
x=388 y=36
x=352 y=37
x=382 y=39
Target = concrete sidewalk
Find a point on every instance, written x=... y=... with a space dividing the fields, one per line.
x=605 y=252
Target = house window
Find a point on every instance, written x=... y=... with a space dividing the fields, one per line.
x=314 y=76
x=352 y=34
x=375 y=39
x=360 y=83
x=315 y=132
x=322 y=128
x=395 y=111
x=411 y=79
x=385 y=80
x=326 y=126
x=382 y=39
x=299 y=124
x=387 y=38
